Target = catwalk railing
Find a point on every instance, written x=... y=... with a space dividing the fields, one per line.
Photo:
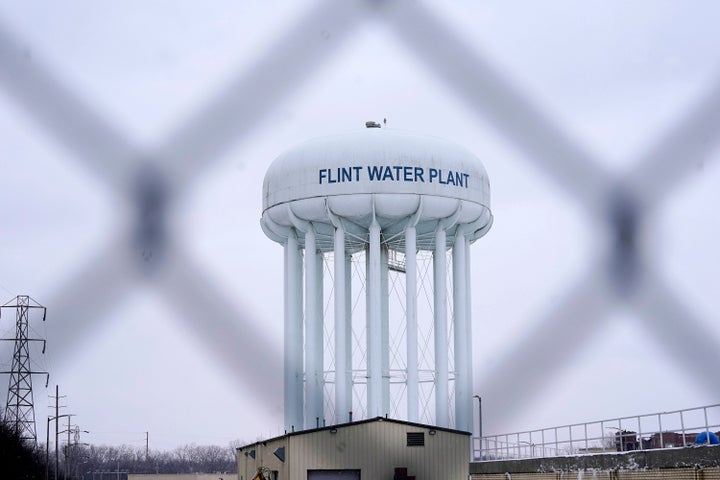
x=642 y=432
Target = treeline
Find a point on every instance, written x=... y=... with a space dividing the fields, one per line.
x=22 y=461
x=18 y=460
x=94 y=462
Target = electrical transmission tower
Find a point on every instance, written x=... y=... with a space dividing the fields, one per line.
x=20 y=410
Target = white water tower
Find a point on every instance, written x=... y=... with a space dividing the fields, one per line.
x=376 y=226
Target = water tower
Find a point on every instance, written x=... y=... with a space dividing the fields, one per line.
x=376 y=226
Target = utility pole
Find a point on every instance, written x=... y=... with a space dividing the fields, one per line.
x=74 y=453
x=20 y=409
x=57 y=418
x=57 y=398
x=147 y=445
x=67 y=450
x=67 y=447
x=70 y=448
x=47 y=450
x=480 y=432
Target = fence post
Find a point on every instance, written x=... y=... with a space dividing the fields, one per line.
x=682 y=427
x=532 y=447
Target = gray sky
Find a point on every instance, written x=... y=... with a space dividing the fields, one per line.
x=557 y=98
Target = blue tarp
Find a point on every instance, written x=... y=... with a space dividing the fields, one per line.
x=702 y=439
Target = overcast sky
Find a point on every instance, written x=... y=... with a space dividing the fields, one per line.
x=560 y=100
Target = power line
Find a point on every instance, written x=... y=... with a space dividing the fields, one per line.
x=4 y=288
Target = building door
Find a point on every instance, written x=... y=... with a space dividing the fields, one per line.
x=333 y=475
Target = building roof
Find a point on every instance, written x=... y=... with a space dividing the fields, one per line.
x=352 y=424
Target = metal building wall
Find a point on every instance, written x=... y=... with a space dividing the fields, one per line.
x=264 y=457
x=374 y=447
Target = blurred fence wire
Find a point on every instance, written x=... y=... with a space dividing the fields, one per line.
x=153 y=182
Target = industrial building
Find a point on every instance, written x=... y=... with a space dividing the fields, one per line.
x=376 y=448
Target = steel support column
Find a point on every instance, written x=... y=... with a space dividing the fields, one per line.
x=463 y=372
x=440 y=325
x=342 y=332
x=412 y=328
x=374 y=323
x=313 y=332
x=293 y=360
x=385 y=329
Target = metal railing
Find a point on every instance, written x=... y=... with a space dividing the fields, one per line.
x=677 y=428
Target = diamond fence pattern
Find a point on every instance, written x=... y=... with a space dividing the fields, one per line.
x=152 y=183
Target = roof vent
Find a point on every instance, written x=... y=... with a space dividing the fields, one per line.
x=372 y=124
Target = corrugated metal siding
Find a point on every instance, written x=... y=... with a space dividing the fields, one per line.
x=711 y=474
x=375 y=448
x=264 y=457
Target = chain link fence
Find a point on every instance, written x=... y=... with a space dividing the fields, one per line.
x=152 y=184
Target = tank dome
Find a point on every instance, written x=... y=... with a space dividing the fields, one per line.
x=391 y=176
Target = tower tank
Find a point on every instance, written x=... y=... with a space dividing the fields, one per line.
x=394 y=198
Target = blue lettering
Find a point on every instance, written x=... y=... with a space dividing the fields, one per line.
x=451 y=178
x=440 y=177
x=388 y=174
x=407 y=174
x=398 y=173
x=374 y=172
x=341 y=175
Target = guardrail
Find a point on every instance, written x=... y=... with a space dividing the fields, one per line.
x=641 y=432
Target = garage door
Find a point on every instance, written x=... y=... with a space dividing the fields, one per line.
x=333 y=475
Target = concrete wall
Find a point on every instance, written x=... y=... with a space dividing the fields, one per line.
x=178 y=476
x=712 y=473
x=667 y=462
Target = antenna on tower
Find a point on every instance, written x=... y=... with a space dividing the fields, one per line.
x=20 y=409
